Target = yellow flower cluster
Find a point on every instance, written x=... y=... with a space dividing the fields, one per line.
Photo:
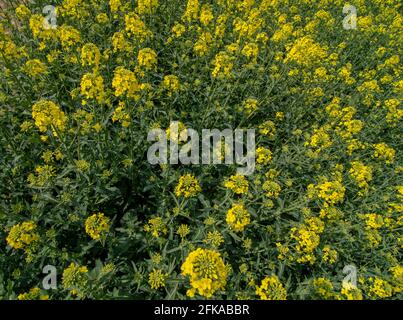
x=136 y=28
x=97 y=225
x=92 y=87
x=171 y=84
x=271 y=289
x=48 y=114
x=379 y=288
x=361 y=174
x=308 y=238
x=188 y=186
x=305 y=51
x=146 y=6
x=156 y=279
x=125 y=83
x=238 y=217
x=238 y=184
x=206 y=270
x=263 y=156
x=75 y=278
x=147 y=59
x=34 y=67
x=33 y=294
x=23 y=235
x=331 y=192
x=90 y=55
x=383 y=152
x=156 y=226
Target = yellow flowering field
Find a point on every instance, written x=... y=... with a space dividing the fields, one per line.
x=85 y=214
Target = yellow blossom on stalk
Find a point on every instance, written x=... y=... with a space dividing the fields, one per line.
x=238 y=217
x=379 y=288
x=263 y=156
x=188 y=186
x=156 y=279
x=384 y=152
x=251 y=51
x=324 y=288
x=90 y=55
x=237 y=183
x=68 y=35
x=37 y=29
x=34 y=67
x=350 y=292
x=271 y=289
x=22 y=11
x=33 y=294
x=331 y=192
x=125 y=83
x=319 y=140
x=373 y=220
x=206 y=270
x=223 y=64
x=47 y=114
x=307 y=236
x=361 y=174
x=135 y=27
x=272 y=188
x=203 y=44
x=268 y=128
x=120 y=43
x=171 y=84
x=192 y=10
x=250 y=105
x=75 y=278
x=305 y=51
x=329 y=255
x=115 y=5
x=397 y=276
x=23 y=235
x=214 y=238
x=178 y=29
x=147 y=59
x=97 y=225
x=102 y=18
x=121 y=115
x=156 y=226
x=206 y=14
x=146 y=6
x=183 y=230
x=92 y=87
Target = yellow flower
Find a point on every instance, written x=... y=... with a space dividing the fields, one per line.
x=206 y=270
x=68 y=36
x=90 y=55
x=34 y=67
x=271 y=289
x=188 y=186
x=329 y=255
x=206 y=14
x=147 y=58
x=324 y=288
x=223 y=64
x=379 y=288
x=156 y=226
x=92 y=87
x=97 y=225
x=136 y=28
x=156 y=279
x=192 y=10
x=22 y=235
x=238 y=217
x=33 y=294
x=22 y=12
x=331 y=192
x=263 y=156
x=237 y=183
x=146 y=6
x=384 y=152
x=125 y=83
x=47 y=114
x=74 y=278
x=305 y=51
x=361 y=174
x=171 y=84
x=250 y=105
